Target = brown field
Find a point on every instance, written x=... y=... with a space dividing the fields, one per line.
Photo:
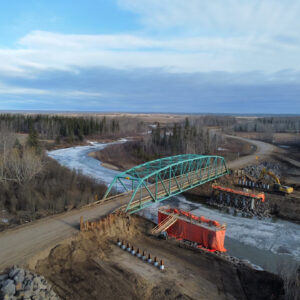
x=278 y=138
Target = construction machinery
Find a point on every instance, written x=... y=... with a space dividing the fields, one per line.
x=262 y=183
x=277 y=186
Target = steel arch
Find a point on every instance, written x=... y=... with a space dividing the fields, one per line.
x=163 y=178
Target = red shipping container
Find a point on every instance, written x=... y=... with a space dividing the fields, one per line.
x=206 y=233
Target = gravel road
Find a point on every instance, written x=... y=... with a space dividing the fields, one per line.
x=262 y=150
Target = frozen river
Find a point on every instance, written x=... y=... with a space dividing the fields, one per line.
x=267 y=243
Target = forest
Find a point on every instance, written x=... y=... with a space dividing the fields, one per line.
x=180 y=138
x=68 y=128
x=189 y=136
x=270 y=124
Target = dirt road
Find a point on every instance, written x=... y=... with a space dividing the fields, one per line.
x=262 y=150
x=19 y=244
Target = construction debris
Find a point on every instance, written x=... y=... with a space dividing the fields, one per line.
x=255 y=170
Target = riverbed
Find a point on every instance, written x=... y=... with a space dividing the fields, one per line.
x=268 y=243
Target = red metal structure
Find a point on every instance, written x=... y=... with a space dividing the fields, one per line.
x=206 y=233
x=249 y=194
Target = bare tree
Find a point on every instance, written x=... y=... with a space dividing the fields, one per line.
x=22 y=167
x=16 y=165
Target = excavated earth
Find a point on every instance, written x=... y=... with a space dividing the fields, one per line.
x=91 y=266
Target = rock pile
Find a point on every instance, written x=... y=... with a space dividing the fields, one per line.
x=255 y=170
x=20 y=284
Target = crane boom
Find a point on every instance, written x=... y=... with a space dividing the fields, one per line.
x=271 y=174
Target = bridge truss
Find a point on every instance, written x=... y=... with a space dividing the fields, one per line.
x=163 y=178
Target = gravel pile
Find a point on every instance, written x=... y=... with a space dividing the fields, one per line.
x=255 y=170
x=21 y=284
x=261 y=210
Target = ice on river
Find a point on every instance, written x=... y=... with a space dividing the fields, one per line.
x=279 y=237
x=77 y=158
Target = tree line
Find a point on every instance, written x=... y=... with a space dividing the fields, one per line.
x=214 y=121
x=271 y=124
x=179 y=138
x=60 y=127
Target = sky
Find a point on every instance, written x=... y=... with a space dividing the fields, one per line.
x=195 y=56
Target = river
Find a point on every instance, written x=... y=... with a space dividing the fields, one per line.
x=267 y=243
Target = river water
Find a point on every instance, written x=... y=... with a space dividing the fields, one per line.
x=268 y=243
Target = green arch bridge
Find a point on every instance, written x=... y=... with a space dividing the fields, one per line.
x=160 y=179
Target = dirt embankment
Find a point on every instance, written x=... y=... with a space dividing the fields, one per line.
x=286 y=207
x=93 y=267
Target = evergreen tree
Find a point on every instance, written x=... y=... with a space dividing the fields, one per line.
x=18 y=146
x=33 y=140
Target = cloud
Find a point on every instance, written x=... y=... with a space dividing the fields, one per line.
x=51 y=91
x=218 y=17
x=13 y=90
x=41 y=50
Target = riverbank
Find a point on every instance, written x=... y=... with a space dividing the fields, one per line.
x=111 y=166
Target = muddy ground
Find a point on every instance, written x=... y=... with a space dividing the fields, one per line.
x=91 y=266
